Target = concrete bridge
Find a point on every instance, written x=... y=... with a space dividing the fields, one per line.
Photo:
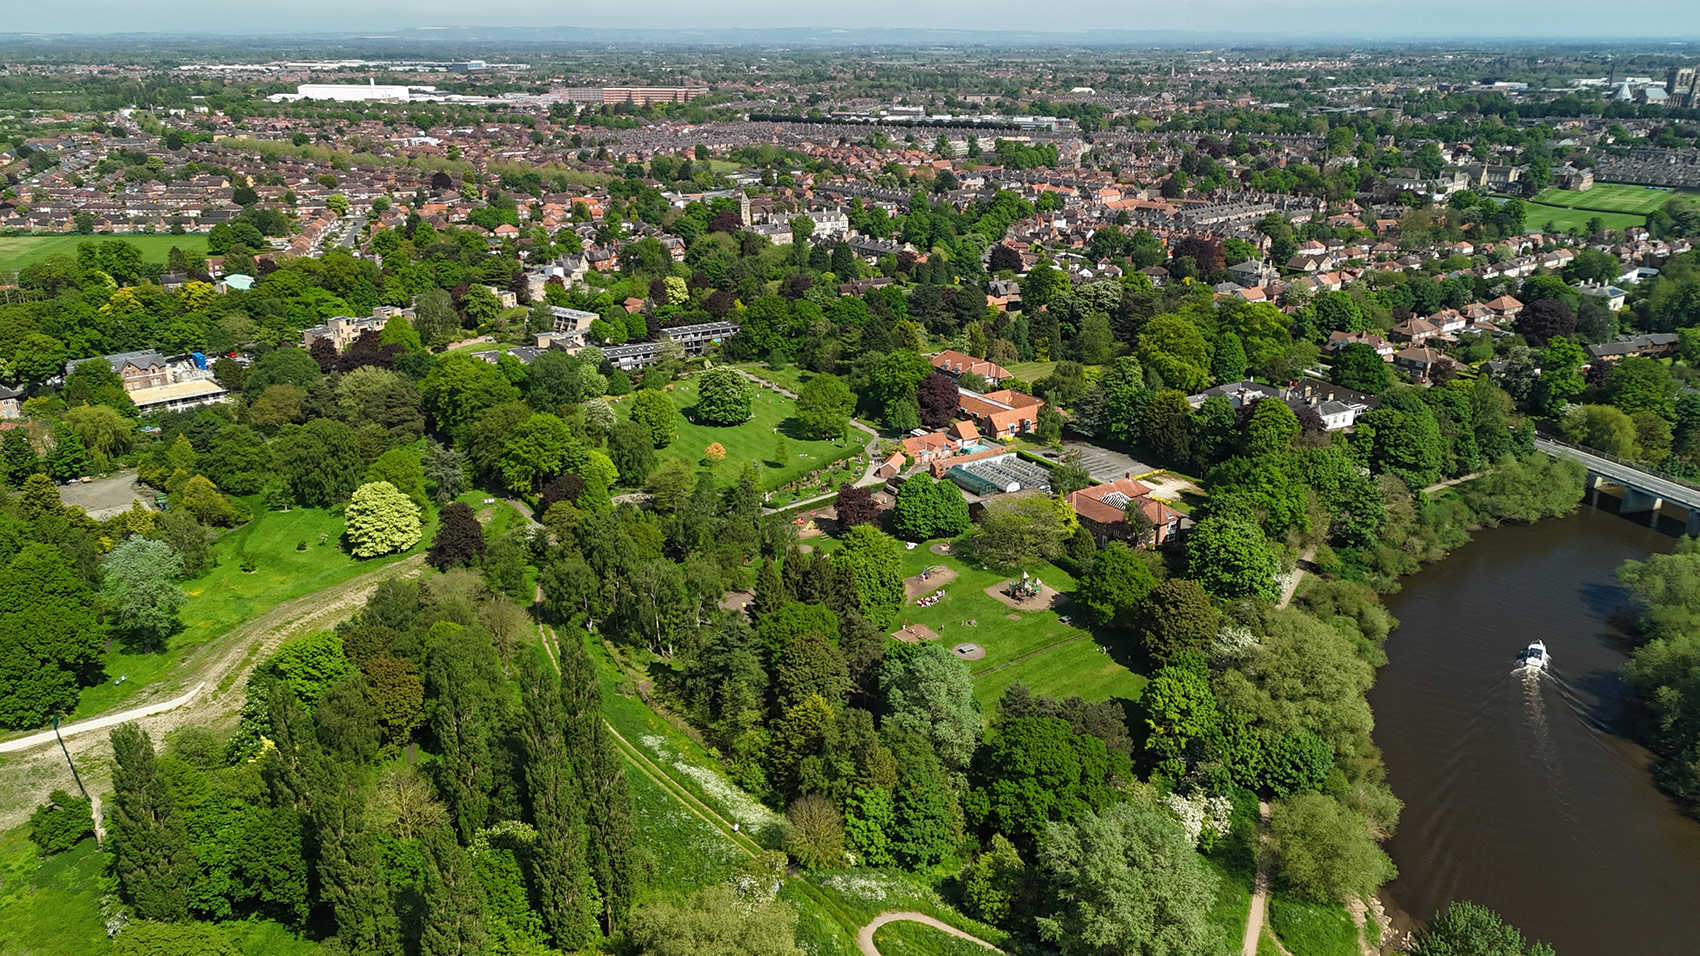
x=1642 y=490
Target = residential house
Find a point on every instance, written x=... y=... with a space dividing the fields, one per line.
x=1338 y=407
x=1421 y=362
x=957 y=364
x=1001 y=414
x=1609 y=295
x=928 y=447
x=1505 y=308
x=1339 y=340
x=1646 y=345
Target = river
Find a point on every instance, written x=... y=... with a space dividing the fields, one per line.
x=1524 y=793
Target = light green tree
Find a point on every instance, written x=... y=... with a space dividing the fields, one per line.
x=381 y=520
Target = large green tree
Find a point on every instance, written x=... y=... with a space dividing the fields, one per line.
x=1115 y=583
x=724 y=397
x=1228 y=556
x=151 y=856
x=50 y=637
x=876 y=566
x=1469 y=929
x=1125 y=880
x=930 y=692
x=381 y=520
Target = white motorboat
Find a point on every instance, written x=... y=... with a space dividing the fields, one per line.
x=1535 y=656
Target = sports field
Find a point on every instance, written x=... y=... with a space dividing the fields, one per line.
x=1610 y=197
x=1565 y=219
x=19 y=251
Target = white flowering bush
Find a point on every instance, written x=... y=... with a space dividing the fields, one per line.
x=1233 y=642
x=1205 y=817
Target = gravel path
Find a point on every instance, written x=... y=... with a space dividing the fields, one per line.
x=865 y=937
x=1260 y=887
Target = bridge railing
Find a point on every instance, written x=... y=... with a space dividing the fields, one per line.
x=1636 y=467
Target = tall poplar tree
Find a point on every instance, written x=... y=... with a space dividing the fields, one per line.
x=151 y=856
x=566 y=891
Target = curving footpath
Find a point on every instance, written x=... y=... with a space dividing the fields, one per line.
x=113 y=720
x=865 y=936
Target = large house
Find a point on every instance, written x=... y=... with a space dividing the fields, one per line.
x=957 y=364
x=1645 y=345
x=1338 y=407
x=1103 y=510
x=342 y=330
x=1001 y=414
x=157 y=383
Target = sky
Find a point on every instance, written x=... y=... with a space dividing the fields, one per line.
x=1580 y=20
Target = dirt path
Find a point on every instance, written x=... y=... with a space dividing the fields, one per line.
x=98 y=723
x=220 y=667
x=1260 y=886
x=1292 y=587
x=865 y=936
x=1431 y=489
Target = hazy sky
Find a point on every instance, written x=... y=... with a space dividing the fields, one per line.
x=1577 y=19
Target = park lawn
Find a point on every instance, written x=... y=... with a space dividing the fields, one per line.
x=1611 y=197
x=1076 y=669
x=1538 y=215
x=918 y=939
x=753 y=441
x=50 y=907
x=19 y=251
x=789 y=377
x=1311 y=929
x=226 y=596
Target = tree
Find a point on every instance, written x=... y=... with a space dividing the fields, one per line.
x=50 y=638
x=1324 y=850
x=1228 y=557
x=1468 y=929
x=1638 y=384
x=855 y=506
x=1174 y=347
x=1035 y=771
x=565 y=887
x=534 y=451
x=930 y=693
x=18 y=459
x=1545 y=319
x=69 y=458
x=150 y=849
x=1125 y=880
x=452 y=896
x=201 y=499
x=716 y=922
x=724 y=398
x=810 y=665
x=654 y=411
x=876 y=566
x=460 y=538
x=992 y=881
x=1018 y=531
x=1180 y=712
x=632 y=448
x=1177 y=617
x=1115 y=584
x=60 y=823
x=139 y=592
x=824 y=404
x=814 y=832
x=320 y=461
x=1360 y=367
x=381 y=520
x=1604 y=428
x=147 y=938
x=939 y=399
x=929 y=509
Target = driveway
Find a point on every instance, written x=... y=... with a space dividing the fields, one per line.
x=1106 y=465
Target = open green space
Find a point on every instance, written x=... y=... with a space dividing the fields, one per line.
x=755 y=440
x=1611 y=197
x=1031 y=372
x=227 y=596
x=1538 y=215
x=1310 y=929
x=918 y=939
x=19 y=251
x=1032 y=645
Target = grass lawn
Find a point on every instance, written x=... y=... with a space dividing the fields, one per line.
x=1309 y=929
x=1031 y=372
x=1050 y=657
x=227 y=596
x=917 y=939
x=19 y=251
x=1539 y=214
x=50 y=907
x=753 y=441
x=1611 y=197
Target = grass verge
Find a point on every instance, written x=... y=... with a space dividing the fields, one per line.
x=1310 y=929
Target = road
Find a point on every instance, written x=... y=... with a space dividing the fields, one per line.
x=865 y=937
x=99 y=723
x=1672 y=491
